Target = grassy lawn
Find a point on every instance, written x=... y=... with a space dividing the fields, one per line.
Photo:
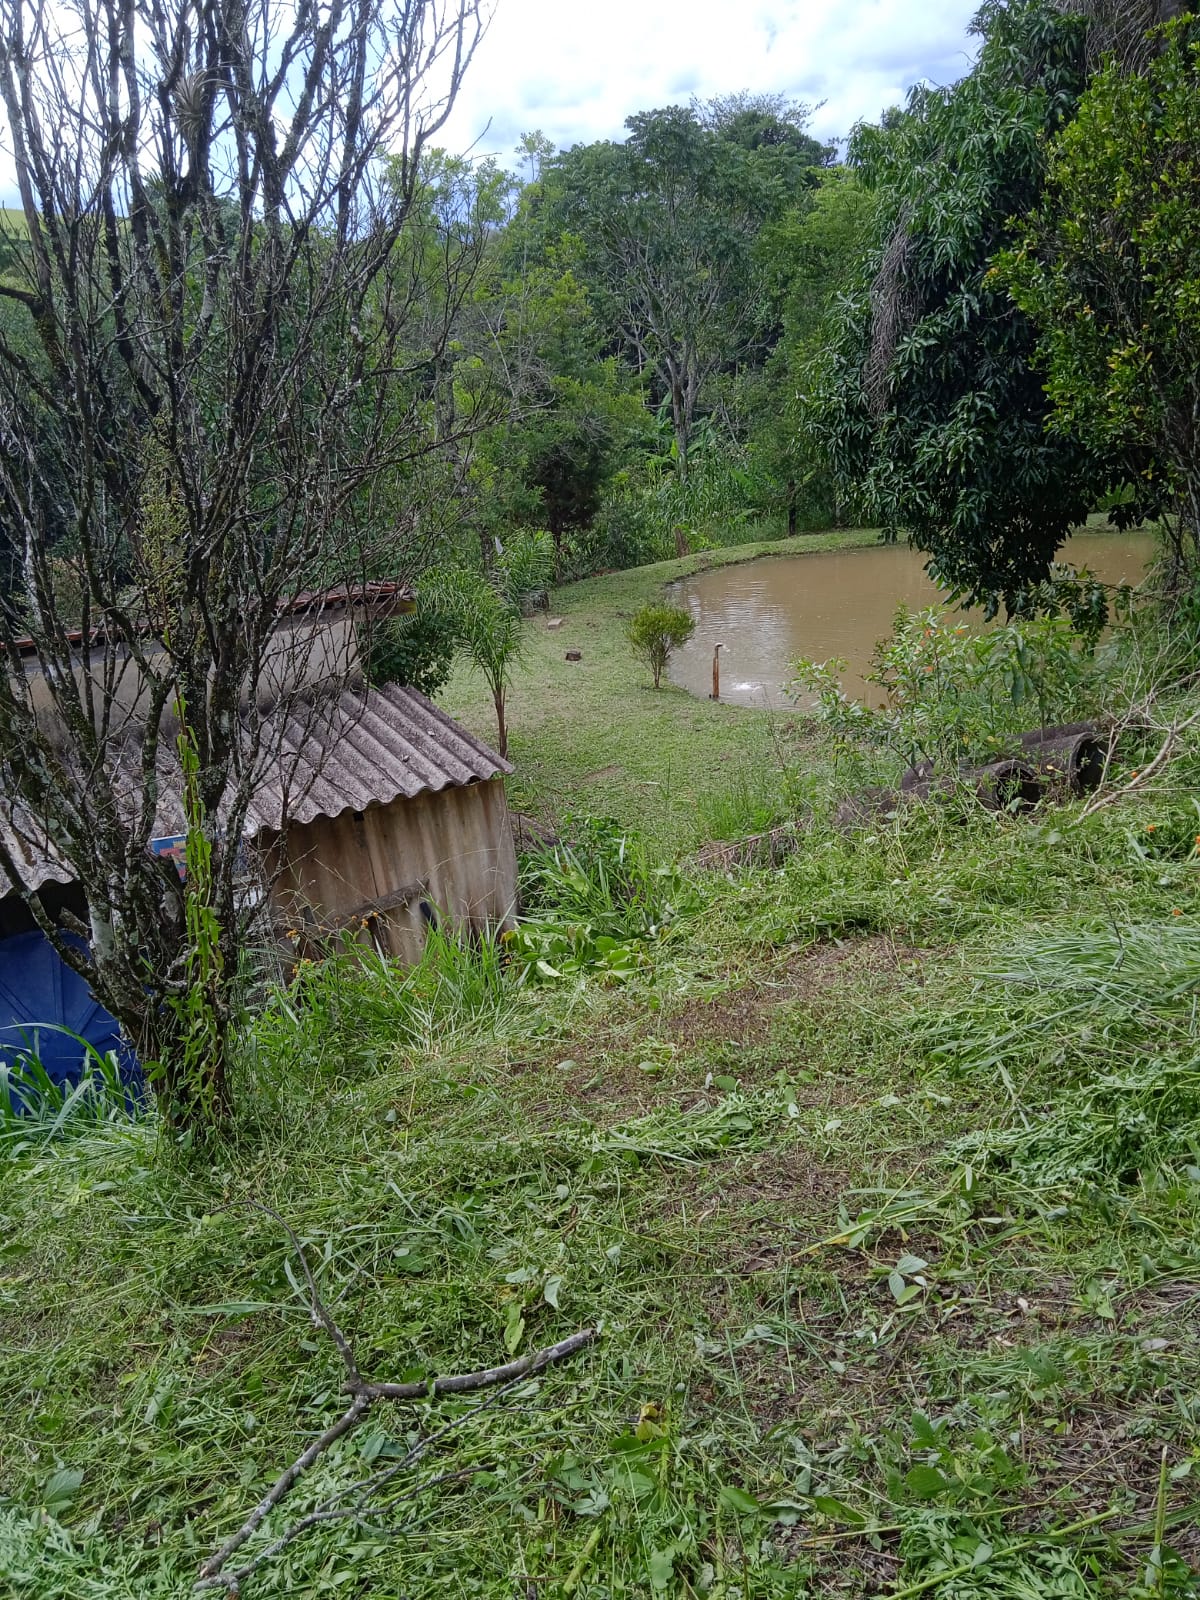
x=878 y=1180
x=594 y=737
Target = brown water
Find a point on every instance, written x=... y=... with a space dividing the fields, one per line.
x=831 y=603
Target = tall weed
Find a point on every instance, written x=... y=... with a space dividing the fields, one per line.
x=753 y=801
x=603 y=878
x=340 y=1012
x=594 y=904
x=34 y=1107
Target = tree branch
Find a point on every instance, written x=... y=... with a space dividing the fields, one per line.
x=364 y=1396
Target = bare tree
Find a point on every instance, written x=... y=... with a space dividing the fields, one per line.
x=209 y=390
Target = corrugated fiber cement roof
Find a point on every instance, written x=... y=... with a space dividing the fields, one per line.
x=364 y=748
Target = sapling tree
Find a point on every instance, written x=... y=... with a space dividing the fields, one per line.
x=657 y=630
x=210 y=364
x=484 y=612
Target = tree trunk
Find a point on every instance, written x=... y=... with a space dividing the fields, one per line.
x=681 y=418
x=501 y=725
x=791 y=507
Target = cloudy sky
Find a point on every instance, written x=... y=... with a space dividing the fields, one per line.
x=577 y=68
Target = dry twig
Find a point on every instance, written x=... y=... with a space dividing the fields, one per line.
x=1108 y=797
x=364 y=1396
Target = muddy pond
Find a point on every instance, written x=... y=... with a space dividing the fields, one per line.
x=767 y=612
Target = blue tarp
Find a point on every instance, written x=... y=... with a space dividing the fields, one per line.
x=38 y=988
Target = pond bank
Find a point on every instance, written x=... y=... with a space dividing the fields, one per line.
x=594 y=736
x=834 y=604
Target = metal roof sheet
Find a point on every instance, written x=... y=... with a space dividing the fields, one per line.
x=364 y=748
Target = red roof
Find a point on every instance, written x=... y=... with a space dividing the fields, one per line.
x=382 y=596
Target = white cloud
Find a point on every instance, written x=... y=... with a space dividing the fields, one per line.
x=577 y=69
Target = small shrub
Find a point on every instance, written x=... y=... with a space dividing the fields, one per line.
x=655 y=631
x=955 y=695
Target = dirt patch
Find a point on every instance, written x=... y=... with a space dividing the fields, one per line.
x=635 y=1059
x=738 y=1017
x=877 y=955
x=747 y=1220
x=742 y=1015
x=231 y=1341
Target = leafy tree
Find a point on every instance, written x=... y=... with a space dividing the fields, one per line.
x=657 y=630
x=568 y=410
x=809 y=256
x=928 y=399
x=668 y=222
x=202 y=397
x=1109 y=270
x=767 y=122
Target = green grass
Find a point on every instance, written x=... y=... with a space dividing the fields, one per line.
x=594 y=737
x=745 y=1166
x=878 y=1173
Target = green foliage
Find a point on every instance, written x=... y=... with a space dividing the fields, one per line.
x=190 y=1074
x=603 y=876
x=656 y=511
x=655 y=631
x=668 y=222
x=34 y=1108
x=524 y=567
x=1109 y=271
x=595 y=905
x=810 y=256
x=755 y=799
x=927 y=399
x=952 y=693
x=574 y=411
x=456 y=988
x=416 y=650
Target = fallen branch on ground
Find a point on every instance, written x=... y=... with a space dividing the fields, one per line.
x=364 y=1396
x=1108 y=797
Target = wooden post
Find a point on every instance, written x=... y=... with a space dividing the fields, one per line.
x=716 y=690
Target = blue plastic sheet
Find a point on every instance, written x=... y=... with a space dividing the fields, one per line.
x=43 y=1002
